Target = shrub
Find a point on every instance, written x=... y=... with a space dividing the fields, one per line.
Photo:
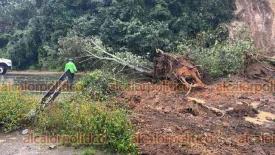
x=81 y=116
x=223 y=58
x=89 y=151
x=100 y=84
x=96 y=84
x=14 y=107
x=4 y=40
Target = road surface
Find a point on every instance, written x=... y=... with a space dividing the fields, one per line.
x=36 y=82
x=16 y=144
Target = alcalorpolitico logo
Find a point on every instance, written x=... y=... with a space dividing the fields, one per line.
x=78 y=138
x=247 y=87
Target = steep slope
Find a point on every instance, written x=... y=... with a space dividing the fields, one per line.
x=273 y=28
x=259 y=16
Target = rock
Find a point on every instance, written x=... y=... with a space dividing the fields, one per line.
x=228 y=142
x=255 y=105
x=230 y=109
x=225 y=124
x=243 y=97
x=263 y=100
x=24 y=132
x=220 y=106
x=258 y=150
x=243 y=110
x=193 y=111
x=136 y=99
x=239 y=103
x=52 y=147
x=31 y=114
x=28 y=147
x=167 y=130
x=12 y=138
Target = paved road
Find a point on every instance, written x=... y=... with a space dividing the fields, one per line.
x=34 y=77
x=17 y=144
x=32 y=81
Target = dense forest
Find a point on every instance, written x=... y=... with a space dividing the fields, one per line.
x=31 y=30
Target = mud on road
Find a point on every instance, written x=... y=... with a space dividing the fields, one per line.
x=167 y=123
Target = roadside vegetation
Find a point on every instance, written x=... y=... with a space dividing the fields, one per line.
x=14 y=108
x=89 y=112
x=224 y=57
x=110 y=127
x=86 y=113
x=99 y=85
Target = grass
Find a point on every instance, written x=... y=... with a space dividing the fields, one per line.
x=88 y=151
x=80 y=116
x=86 y=113
x=14 y=108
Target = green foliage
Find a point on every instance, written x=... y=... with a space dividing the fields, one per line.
x=94 y=53
x=14 y=108
x=23 y=48
x=3 y=53
x=100 y=85
x=142 y=26
x=223 y=58
x=73 y=47
x=89 y=151
x=96 y=84
x=4 y=39
x=81 y=116
x=137 y=26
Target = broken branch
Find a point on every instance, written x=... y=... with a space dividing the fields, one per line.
x=202 y=103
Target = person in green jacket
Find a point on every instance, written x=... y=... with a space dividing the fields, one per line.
x=70 y=70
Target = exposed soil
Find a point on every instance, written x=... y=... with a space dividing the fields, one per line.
x=166 y=113
x=259 y=16
x=167 y=123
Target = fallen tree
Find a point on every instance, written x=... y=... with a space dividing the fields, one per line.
x=95 y=49
x=164 y=66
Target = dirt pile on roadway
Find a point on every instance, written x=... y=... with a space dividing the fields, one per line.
x=167 y=123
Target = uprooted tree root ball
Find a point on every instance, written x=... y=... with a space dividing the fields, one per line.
x=177 y=68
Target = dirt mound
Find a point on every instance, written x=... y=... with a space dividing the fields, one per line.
x=256 y=71
x=243 y=111
x=168 y=123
